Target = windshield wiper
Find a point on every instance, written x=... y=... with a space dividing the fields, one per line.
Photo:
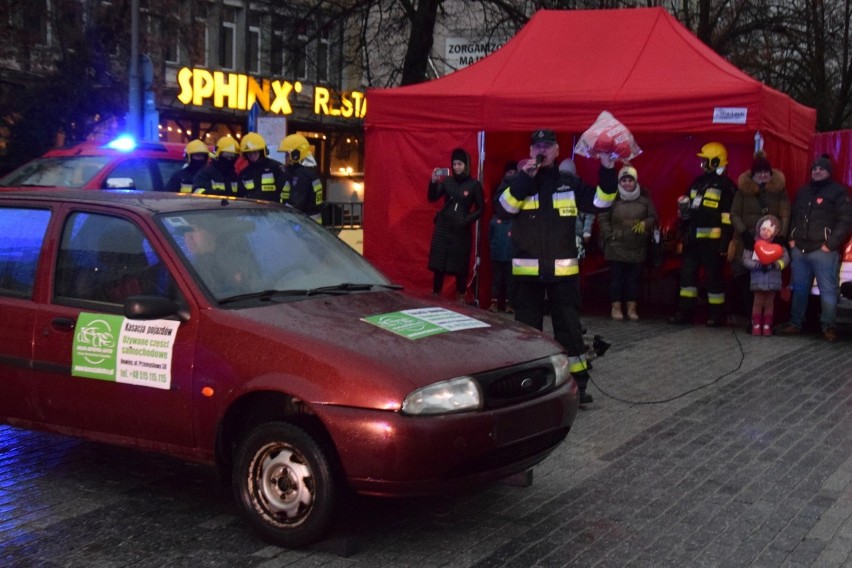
x=343 y=288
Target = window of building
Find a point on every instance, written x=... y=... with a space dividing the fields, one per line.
x=228 y=39
x=323 y=54
x=200 y=38
x=253 y=44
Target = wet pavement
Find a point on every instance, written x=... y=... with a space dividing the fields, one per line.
x=704 y=447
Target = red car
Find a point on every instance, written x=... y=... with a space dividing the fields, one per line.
x=144 y=166
x=243 y=334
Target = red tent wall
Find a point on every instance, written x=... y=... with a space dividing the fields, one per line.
x=658 y=79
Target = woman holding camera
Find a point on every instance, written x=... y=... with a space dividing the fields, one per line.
x=449 y=252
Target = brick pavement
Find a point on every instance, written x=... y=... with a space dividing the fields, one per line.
x=753 y=467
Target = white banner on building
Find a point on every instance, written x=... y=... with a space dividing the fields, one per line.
x=461 y=52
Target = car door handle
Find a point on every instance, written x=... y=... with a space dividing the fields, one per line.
x=62 y=324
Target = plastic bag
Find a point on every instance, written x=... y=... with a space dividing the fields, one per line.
x=608 y=136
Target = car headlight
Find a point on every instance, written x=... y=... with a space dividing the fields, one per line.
x=560 y=369
x=456 y=395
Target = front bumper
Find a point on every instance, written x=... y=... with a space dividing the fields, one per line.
x=387 y=453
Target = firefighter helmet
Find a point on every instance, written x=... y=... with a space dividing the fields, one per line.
x=253 y=142
x=715 y=155
x=297 y=146
x=226 y=144
x=195 y=147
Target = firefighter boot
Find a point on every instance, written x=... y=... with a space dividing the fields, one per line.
x=582 y=379
x=617 y=314
x=767 y=325
x=631 y=311
x=756 y=323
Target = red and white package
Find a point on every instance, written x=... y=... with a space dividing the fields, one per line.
x=608 y=136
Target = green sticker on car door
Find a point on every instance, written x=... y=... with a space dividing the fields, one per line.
x=114 y=348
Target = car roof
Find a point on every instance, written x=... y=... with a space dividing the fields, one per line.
x=164 y=149
x=147 y=201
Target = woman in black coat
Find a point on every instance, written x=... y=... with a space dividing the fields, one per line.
x=449 y=252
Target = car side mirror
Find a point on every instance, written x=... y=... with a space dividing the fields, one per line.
x=153 y=307
x=119 y=183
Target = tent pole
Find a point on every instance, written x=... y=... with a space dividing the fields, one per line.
x=474 y=280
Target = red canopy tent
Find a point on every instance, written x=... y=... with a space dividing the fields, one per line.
x=560 y=71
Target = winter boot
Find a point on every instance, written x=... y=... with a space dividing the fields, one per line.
x=617 y=314
x=767 y=325
x=756 y=322
x=631 y=311
x=493 y=306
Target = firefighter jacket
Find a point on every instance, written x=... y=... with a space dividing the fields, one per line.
x=181 y=180
x=709 y=210
x=822 y=214
x=263 y=179
x=302 y=189
x=545 y=209
x=218 y=178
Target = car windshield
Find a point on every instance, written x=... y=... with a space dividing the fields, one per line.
x=70 y=172
x=266 y=254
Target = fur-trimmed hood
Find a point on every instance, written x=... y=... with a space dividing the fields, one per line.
x=776 y=184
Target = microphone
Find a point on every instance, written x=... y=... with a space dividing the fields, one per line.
x=539 y=158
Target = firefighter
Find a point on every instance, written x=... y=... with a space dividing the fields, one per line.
x=704 y=214
x=263 y=177
x=196 y=155
x=543 y=204
x=219 y=176
x=302 y=186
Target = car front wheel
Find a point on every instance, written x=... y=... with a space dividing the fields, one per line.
x=283 y=480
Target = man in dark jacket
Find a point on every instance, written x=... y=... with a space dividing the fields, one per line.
x=263 y=177
x=544 y=203
x=302 y=185
x=820 y=226
x=704 y=212
x=219 y=176
x=196 y=154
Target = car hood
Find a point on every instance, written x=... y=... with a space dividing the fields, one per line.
x=329 y=334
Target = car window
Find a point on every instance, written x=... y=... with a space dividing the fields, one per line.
x=167 y=168
x=137 y=169
x=21 y=236
x=70 y=172
x=244 y=251
x=106 y=259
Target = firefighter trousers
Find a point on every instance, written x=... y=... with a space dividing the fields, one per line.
x=697 y=254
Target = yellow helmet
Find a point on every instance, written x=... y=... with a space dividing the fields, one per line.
x=195 y=147
x=297 y=146
x=226 y=144
x=715 y=154
x=253 y=142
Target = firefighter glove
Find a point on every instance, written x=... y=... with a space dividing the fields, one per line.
x=639 y=227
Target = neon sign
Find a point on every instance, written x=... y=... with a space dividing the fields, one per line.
x=239 y=92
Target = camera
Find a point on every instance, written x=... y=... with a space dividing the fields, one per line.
x=442 y=172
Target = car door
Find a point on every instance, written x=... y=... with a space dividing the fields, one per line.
x=22 y=234
x=102 y=259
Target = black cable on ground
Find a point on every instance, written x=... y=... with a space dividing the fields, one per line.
x=685 y=393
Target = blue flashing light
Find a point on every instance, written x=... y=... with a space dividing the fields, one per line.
x=124 y=143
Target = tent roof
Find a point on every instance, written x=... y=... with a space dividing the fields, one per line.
x=566 y=66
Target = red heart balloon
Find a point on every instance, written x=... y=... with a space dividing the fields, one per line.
x=767 y=252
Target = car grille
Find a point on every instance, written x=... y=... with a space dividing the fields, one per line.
x=516 y=384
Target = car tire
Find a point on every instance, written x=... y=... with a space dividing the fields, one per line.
x=284 y=482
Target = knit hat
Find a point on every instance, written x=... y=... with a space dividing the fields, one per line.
x=568 y=166
x=460 y=155
x=760 y=163
x=628 y=171
x=824 y=162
